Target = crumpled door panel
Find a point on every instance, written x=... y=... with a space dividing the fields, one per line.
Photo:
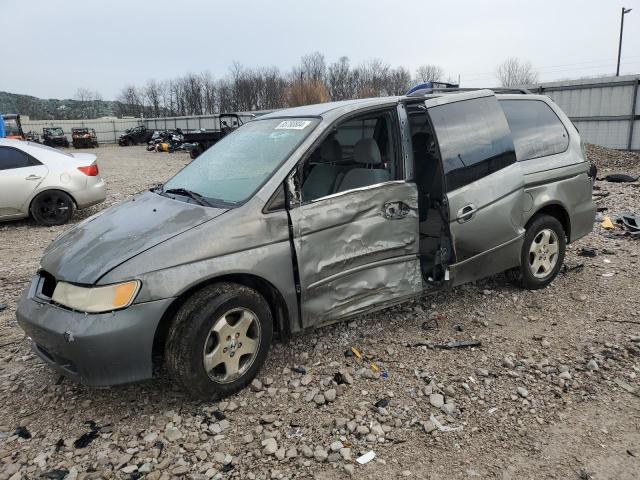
x=356 y=250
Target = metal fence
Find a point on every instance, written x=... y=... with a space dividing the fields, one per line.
x=196 y=122
x=107 y=130
x=605 y=110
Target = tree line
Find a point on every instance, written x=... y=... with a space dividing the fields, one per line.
x=313 y=80
x=265 y=88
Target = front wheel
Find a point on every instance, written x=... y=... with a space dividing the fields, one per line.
x=542 y=253
x=219 y=340
x=52 y=208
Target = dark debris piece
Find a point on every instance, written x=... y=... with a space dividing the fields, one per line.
x=2 y=306
x=338 y=378
x=85 y=439
x=383 y=402
x=219 y=415
x=227 y=467
x=620 y=178
x=574 y=268
x=459 y=344
x=54 y=474
x=300 y=370
x=587 y=252
x=430 y=324
x=160 y=446
x=22 y=432
x=59 y=444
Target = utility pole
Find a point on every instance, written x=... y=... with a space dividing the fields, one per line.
x=624 y=12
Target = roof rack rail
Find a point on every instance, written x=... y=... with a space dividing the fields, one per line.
x=426 y=91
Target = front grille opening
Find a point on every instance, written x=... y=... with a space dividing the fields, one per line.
x=48 y=283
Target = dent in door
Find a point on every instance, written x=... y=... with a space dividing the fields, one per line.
x=352 y=256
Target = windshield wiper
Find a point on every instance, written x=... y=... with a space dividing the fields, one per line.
x=196 y=196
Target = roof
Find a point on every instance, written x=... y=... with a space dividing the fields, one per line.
x=324 y=109
x=335 y=109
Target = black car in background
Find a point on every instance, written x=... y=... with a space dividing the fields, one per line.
x=54 y=137
x=135 y=135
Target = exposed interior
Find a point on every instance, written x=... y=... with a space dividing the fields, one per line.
x=433 y=225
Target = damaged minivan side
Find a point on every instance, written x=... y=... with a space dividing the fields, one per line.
x=303 y=217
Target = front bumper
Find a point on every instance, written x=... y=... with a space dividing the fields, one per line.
x=97 y=350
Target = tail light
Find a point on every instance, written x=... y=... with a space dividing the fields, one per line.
x=90 y=171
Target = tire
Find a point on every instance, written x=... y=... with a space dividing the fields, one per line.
x=52 y=207
x=540 y=260
x=198 y=332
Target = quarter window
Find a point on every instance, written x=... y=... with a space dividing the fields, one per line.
x=536 y=129
x=11 y=158
x=474 y=140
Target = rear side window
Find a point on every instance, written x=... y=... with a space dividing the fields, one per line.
x=11 y=158
x=474 y=140
x=536 y=129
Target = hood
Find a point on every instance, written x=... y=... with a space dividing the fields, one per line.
x=102 y=242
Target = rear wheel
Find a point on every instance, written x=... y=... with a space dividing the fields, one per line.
x=542 y=254
x=219 y=340
x=52 y=208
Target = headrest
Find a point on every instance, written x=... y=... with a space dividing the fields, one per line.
x=330 y=151
x=367 y=151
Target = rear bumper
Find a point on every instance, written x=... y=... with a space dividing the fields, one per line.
x=95 y=192
x=582 y=219
x=96 y=350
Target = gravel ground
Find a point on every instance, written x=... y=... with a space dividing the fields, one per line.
x=541 y=397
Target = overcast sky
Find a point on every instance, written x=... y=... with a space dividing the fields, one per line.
x=53 y=48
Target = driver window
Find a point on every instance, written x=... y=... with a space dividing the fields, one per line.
x=357 y=153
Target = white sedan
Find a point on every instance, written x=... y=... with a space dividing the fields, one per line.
x=45 y=183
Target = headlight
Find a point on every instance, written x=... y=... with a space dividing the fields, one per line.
x=96 y=299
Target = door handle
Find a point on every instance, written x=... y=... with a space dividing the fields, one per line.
x=466 y=213
x=395 y=210
x=33 y=177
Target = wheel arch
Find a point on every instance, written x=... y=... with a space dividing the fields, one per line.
x=265 y=288
x=559 y=212
x=49 y=189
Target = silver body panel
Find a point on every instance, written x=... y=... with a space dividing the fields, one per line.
x=323 y=261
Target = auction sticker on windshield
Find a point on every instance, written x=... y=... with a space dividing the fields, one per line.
x=292 y=125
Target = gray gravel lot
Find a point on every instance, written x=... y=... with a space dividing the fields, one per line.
x=540 y=398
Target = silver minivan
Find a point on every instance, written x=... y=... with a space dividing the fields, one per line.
x=307 y=216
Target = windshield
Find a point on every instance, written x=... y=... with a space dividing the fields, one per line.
x=235 y=167
x=55 y=131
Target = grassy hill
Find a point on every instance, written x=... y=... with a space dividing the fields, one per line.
x=53 y=108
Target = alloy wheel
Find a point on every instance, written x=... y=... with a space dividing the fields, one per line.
x=231 y=345
x=543 y=253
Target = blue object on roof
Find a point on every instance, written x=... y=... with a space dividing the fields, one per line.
x=2 y=134
x=429 y=85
